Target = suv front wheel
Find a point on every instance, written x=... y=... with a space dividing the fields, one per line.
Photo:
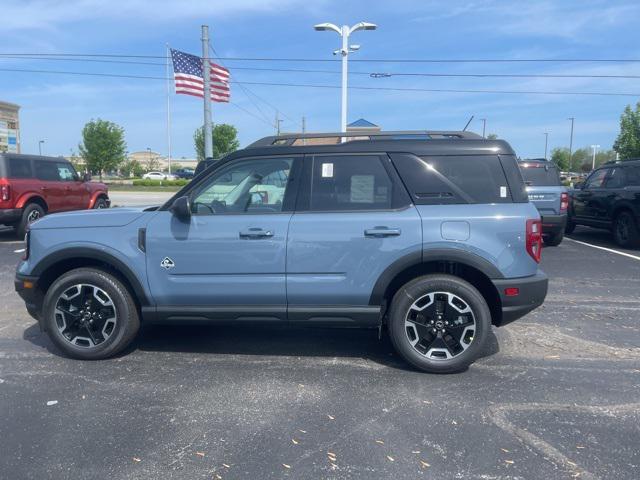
x=89 y=314
x=439 y=323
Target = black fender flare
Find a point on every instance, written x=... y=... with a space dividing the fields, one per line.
x=74 y=253
x=427 y=256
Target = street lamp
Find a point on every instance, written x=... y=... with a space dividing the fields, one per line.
x=593 y=162
x=345 y=32
x=571 y=144
x=546 y=143
x=484 y=127
x=40 y=147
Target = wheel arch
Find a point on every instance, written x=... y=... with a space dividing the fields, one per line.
x=622 y=207
x=58 y=263
x=96 y=195
x=468 y=266
x=32 y=198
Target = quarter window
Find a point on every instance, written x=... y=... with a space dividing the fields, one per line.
x=20 y=168
x=357 y=182
x=616 y=178
x=247 y=186
x=47 y=171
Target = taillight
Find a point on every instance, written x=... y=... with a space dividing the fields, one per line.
x=564 y=202
x=5 y=192
x=534 y=239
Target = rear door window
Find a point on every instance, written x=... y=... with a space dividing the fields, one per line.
x=66 y=173
x=539 y=175
x=596 y=179
x=47 y=171
x=441 y=180
x=350 y=182
x=20 y=168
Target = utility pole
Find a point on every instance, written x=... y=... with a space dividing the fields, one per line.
x=571 y=145
x=546 y=143
x=278 y=122
x=593 y=162
x=345 y=32
x=484 y=127
x=208 y=139
x=167 y=71
x=40 y=147
x=304 y=129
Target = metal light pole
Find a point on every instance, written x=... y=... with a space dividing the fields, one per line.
x=546 y=143
x=571 y=145
x=484 y=127
x=208 y=138
x=345 y=32
x=40 y=146
x=593 y=162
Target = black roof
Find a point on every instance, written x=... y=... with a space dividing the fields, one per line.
x=631 y=162
x=30 y=157
x=416 y=142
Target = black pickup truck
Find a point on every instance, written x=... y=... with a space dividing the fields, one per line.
x=609 y=198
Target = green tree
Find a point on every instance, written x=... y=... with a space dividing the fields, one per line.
x=492 y=136
x=103 y=147
x=225 y=140
x=628 y=142
x=560 y=156
x=132 y=168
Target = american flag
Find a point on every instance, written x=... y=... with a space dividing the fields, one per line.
x=187 y=73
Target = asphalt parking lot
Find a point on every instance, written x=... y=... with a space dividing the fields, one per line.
x=555 y=396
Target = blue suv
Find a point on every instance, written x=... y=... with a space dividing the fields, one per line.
x=429 y=235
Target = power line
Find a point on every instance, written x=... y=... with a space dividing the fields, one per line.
x=394 y=89
x=361 y=60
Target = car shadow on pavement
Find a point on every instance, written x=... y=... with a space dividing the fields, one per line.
x=261 y=341
x=8 y=235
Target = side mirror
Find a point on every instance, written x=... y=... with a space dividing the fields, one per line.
x=86 y=177
x=181 y=208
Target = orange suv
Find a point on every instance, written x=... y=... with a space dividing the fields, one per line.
x=33 y=186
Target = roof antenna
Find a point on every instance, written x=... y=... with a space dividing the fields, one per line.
x=470 y=120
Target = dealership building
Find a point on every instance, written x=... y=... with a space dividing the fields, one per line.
x=9 y=128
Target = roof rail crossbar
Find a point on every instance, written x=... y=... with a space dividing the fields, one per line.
x=288 y=139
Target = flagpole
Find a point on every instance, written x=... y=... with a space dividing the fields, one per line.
x=168 y=107
x=208 y=140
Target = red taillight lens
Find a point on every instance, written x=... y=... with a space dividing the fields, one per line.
x=512 y=291
x=5 y=192
x=564 y=202
x=534 y=239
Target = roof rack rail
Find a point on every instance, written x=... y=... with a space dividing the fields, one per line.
x=289 y=139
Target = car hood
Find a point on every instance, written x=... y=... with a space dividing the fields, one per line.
x=115 y=217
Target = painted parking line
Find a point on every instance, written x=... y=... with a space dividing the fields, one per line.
x=20 y=250
x=610 y=250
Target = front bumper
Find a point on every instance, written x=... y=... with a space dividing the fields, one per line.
x=10 y=215
x=31 y=295
x=554 y=223
x=531 y=294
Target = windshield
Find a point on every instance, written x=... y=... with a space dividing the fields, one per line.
x=540 y=176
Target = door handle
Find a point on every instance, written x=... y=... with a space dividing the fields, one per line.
x=255 y=233
x=382 y=232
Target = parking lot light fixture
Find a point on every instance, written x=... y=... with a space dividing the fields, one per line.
x=345 y=32
x=595 y=150
x=40 y=147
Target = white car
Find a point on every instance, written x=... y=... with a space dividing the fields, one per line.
x=157 y=176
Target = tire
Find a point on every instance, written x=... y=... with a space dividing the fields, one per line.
x=112 y=310
x=625 y=230
x=30 y=213
x=424 y=293
x=554 y=240
x=101 y=202
x=569 y=227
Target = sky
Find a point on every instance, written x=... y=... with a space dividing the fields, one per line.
x=54 y=107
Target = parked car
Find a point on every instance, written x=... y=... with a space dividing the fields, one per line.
x=33 y=186
x=158 y=176
x=550 y=197
x=186 y=173
x=432 y=239
x=610 y=199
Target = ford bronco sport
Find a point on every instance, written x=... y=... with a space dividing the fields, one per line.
x=427 y=234
x=32 y=186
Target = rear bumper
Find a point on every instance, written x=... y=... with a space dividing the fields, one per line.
x=554 y=223
x=10 y=215
x=531 y=294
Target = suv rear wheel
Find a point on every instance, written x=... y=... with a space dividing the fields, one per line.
x=89 y=314
x=625 y=230
x=439 y=323
x=554 y=239
x=30 y=214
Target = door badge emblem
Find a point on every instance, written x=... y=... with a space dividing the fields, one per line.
x=167 y=263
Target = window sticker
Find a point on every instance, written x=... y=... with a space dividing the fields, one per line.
x=327 y=170
x=503 y=192
x=362 y=188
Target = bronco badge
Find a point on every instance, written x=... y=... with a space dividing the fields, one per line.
x=167 y=263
